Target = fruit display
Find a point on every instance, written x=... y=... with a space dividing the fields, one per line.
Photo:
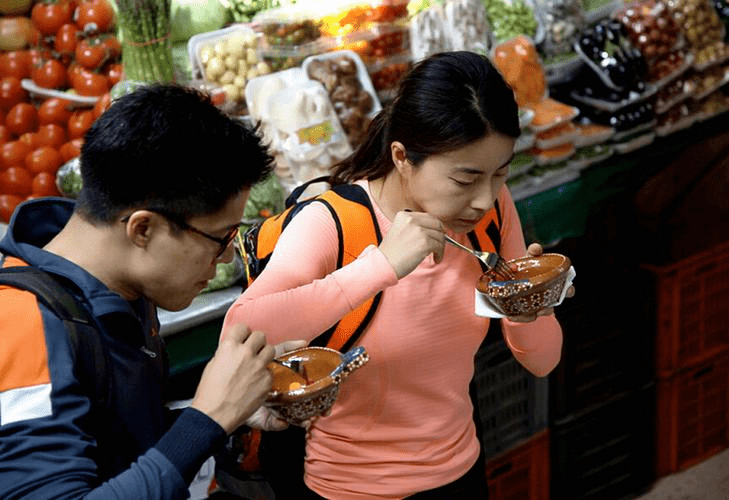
x=702 y=28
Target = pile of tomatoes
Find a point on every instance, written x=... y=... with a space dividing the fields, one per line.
x=70 y=44
x=36 y=138
x=64 y=45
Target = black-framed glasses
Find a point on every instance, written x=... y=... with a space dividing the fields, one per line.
x=223 y=242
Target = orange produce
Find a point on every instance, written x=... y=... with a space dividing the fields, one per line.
x=29 y=138
x=71 y=149
x=13 y=153
x=52 y=135
x=44 y=184
x=8 y=202
x=17 y=181
x=79 y=122
x=54 y=110
x=43 y=159
x=22 y=118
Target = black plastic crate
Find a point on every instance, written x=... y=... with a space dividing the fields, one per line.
x=512 y=404
x=609 y=335
x=606 y=452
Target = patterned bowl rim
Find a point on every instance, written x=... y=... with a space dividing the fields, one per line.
x=308 y=391
x=552 y=276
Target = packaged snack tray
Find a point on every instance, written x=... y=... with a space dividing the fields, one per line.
x=350 y=89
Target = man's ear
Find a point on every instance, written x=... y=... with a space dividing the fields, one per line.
x=140 y=226
x=399 y=157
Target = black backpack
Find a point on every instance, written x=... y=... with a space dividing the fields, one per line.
x=89 y=354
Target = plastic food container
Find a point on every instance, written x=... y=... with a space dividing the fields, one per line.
x=227 y=59
x=281 y=57
x=386 y=73
x=376 y=41
x=350 y=89
x=288 y=26
x=556 y=136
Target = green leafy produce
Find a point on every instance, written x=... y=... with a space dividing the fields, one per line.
x=191 y=17
x=68 y=178
x=147 y=49
x=226 y=275
x=244 y=10
x=509 y=20
x=266 y=198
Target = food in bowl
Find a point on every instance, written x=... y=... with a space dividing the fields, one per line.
x=309 y=388
x=539 y=282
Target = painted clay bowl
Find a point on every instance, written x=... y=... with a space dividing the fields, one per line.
x=538 y=284
x=297 y=397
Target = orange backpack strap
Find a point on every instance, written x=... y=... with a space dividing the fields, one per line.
x=357 y=228
x=486 y=236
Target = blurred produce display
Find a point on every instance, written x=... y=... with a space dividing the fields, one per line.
x=592 y=78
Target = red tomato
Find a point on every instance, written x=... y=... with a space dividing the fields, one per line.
x=54 y=110
x=66 y=40
x=89 y=83
x=15 y=63
x=38 y=55
x=11 y=93
x=102 y=105
x=91 y=53
x=8 y=202
x=44 y=184
x=13 y=153
x=52 y=135
x=16 y=180
x=71 y=149
x=4 y=137
x=51 y=74
x=48 y=16
x=29 y=138
x=22 y=118
x=79 y=123
x=114 y=73
x=43 y=159
x=95 y=16
x=112 y=45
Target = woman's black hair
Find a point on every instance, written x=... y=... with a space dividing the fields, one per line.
x=167 y=146
x=446 y=101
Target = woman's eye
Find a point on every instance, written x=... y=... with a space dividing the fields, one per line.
x=461 y=182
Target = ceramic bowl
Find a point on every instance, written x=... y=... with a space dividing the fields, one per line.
x=298 y=398
x=538 y=284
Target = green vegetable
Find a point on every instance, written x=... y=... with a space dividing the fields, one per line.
x=68 y=178
x=191 y=17
x=226 y=275
x=244 y=10
x=266 y=198
x=508 y=21
x=147 y=47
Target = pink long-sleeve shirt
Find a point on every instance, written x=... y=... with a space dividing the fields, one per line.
x=403 y=422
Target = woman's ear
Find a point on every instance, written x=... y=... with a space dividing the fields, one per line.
x=400 y=158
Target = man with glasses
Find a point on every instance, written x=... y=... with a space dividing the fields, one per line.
x=166 y=176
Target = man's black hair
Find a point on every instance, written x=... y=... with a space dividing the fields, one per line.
x=169 y=147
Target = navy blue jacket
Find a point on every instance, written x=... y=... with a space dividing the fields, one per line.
x=49 y=445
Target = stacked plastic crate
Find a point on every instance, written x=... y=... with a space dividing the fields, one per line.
x=512 y=409
x=602 y=394
x=692 y=364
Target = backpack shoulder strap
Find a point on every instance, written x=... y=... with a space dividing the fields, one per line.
x=357 y=228
x=86 y=344
x=486 y=236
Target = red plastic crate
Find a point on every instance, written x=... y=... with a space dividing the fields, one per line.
x=692 y=310
x=692 y=415
x=521 y=473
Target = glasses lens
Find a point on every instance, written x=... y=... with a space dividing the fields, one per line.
x=227 y=240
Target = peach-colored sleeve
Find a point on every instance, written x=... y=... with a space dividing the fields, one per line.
x=536 y=345
x=300 y=293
